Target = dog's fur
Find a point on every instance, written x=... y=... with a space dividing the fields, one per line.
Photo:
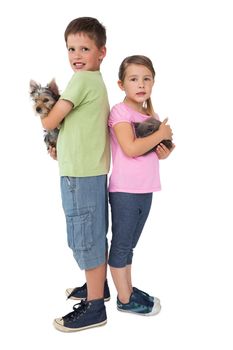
x=148 y=127
x=44 y=99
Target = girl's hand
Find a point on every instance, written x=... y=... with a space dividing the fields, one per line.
x=165 y=130
x=162 y=151
x=52 y=152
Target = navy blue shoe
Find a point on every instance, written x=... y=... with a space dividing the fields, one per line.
x=80 y=293
x=138 y=304
x=87 y=314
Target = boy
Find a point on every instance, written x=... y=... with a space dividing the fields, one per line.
x=83 y=157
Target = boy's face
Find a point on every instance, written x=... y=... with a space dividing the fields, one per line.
x=83 y=53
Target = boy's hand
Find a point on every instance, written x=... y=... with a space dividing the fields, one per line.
x=163 y=152
x=52 y=151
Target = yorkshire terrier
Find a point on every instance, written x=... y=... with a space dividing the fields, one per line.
x=44 y=99
x=148 y=127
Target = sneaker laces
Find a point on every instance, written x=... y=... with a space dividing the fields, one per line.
x=79 y=309
x=77 y=289
x=142 y=299
x=141 y=291
x=143 y=295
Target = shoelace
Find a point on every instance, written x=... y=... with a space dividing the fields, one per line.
x=144 y=296
x=141 y=291
x=77 y=289
x=144 y=300
x=79 y=309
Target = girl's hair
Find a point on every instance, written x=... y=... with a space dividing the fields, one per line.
x=91 y=27
x=143 y=61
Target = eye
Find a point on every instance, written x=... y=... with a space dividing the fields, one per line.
x=71 y=49
x=45 y=100
x=84 y=49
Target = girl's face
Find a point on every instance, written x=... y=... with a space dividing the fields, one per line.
x=138 y=84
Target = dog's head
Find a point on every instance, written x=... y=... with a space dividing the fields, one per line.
x=44 y=97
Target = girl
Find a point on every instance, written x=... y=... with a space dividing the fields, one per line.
x=134 y=177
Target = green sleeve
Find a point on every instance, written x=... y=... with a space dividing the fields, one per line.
x=76 y=89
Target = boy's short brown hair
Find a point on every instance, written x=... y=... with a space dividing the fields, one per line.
x=91 y=27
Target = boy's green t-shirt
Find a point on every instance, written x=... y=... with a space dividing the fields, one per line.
x=83 y=141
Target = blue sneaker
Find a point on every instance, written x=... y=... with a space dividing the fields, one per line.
x=80 y=293
x=86 y=314
x=146 y=295
x=138 y=304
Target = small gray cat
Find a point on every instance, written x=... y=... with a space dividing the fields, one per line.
x=148 y=127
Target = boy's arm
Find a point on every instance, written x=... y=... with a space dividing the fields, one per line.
x=57 y=114
x=135 y=147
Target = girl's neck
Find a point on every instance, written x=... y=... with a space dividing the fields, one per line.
x=138 y=107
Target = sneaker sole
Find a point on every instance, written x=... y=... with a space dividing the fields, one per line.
x=156 y=309
x=60 y=327
x=69 y=291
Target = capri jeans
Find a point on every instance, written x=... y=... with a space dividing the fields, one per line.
x=129 y=214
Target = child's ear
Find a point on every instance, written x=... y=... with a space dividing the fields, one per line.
x=120 y=84
x=103 y=52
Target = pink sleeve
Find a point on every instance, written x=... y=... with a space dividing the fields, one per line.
x=118 y=115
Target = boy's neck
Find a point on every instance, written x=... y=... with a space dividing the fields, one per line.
x=87 y=70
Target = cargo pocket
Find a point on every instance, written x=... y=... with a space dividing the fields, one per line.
x=80 y=229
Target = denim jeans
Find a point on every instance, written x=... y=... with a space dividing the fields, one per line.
x=84 y=201
x=129 y=214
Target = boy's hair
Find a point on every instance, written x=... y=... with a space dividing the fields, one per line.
x=89 y=26
x=140 y=60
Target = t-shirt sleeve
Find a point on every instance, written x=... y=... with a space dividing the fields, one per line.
x=76 y=89
x=118 y=115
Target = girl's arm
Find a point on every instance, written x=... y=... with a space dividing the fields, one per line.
x=135 y=147
x=57 y=114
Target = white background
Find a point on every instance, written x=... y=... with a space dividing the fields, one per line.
x=185 y=253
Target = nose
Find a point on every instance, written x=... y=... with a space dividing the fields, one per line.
x=38 y=109
x=141 y=83
x=74 y=56
x=77 y=54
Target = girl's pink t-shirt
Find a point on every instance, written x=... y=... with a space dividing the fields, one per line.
x=131 y=175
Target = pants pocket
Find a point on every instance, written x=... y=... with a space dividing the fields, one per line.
x=80 y=229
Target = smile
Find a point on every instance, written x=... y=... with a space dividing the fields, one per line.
x=79 y=65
